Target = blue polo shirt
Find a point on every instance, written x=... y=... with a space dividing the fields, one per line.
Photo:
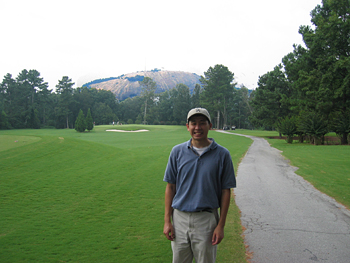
x=199 y=179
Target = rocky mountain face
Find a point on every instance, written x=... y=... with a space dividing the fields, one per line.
x=126 y=86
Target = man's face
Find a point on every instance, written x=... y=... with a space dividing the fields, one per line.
x=199 y=126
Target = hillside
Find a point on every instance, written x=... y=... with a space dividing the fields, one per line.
x=126 y=86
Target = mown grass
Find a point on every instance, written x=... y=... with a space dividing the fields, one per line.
x=96 y=196
x=326 y=167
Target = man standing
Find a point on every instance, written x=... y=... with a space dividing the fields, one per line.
x=199 y=176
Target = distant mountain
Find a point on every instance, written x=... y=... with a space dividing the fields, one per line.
x=127 y=85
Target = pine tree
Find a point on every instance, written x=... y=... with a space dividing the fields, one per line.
x=80 y=125
x=88 y=121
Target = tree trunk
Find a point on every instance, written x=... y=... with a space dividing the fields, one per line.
x=218 y=121
x=344 y=139
x=290 y=138
x=144 y=117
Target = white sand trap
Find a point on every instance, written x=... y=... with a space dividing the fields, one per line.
x=127 y=131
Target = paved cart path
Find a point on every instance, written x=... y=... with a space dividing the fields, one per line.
x=286 y=218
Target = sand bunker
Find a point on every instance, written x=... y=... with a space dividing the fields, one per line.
x=127 y=131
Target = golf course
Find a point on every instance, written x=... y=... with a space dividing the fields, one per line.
x=98 y=196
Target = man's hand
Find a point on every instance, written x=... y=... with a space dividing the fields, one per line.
x=169 y=231
x=218 y=235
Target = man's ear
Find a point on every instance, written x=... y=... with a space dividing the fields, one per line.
x=187 y=126
x=210 y=125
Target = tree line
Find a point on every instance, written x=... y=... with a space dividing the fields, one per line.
x=308 y=94
x=27 y=102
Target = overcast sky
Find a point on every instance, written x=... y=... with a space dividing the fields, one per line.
x=87 y=40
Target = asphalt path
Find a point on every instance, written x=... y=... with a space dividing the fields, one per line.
x=285 y=218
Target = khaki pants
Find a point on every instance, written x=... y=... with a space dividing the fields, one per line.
x=193 y=235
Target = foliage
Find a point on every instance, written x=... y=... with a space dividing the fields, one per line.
x=148 y=87
x=60 y=109
x=288 y=126
x=240 y=110
x=341 y=125
x=103 y=114
x=314 y=125
x=89 y=121
x=217 y=92
x=89 y=84
x=80 y=124
x=269 y=101
x=136 y=78
x=182 y=103
x=4 y=123
x=65 y=90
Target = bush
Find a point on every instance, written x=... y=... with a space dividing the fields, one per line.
x=313 y=125
x=288 y=127
x=80 y=124
x=88 y=121
x=130 y=121
x=341 y=126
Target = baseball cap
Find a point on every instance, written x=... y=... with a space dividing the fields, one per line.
x=198 y=111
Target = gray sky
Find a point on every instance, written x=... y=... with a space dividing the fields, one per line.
x=87 y=40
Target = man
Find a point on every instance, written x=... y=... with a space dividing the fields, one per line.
x=199 y=175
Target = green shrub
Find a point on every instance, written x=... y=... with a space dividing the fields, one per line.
x=80 y=124
x=314 y=126
x=88 y=121
x=288 y=127
x=341 y=126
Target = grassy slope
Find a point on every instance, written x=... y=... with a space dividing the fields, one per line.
x=94 y=197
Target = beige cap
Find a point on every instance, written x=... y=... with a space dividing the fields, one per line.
x=200 y=111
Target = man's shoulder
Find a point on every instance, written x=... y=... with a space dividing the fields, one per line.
x=220 y=148
x=180 y=146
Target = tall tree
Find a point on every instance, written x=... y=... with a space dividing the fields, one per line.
x=240 y=109
x=80 y=124
x=103 y=114
x=44 y=104
x=166 y=106
x=65 y=90
x=269 y=99
x=181 y=104
x=328 y=44
x=148 y=88
x=195 y=98
x=89 y=121
x=217 y=90
x=10 y=101
x=130 y=109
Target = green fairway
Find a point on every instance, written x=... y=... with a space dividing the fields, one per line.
x=96 y=196
x=327 y=167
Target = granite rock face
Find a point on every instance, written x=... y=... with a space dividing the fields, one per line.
x=127 y=85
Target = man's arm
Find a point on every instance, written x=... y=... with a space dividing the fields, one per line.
x=168 y=230
x=219 y=230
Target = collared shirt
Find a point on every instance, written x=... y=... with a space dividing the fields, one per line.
x=199 y=179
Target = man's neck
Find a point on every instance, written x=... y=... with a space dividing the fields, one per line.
x=201 y=143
